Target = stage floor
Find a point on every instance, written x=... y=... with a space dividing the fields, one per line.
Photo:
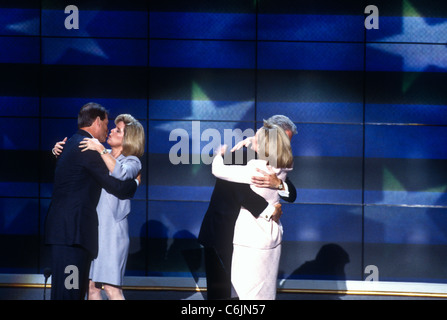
x=11 y=293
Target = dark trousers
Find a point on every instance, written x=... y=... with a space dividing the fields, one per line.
x=70 y=267
x=218 y=274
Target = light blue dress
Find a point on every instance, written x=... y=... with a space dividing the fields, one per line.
x=113 y=233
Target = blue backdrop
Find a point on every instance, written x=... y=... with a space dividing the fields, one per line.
x=369 y=105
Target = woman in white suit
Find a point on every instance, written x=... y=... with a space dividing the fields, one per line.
x=127 y=145
x=257 y=241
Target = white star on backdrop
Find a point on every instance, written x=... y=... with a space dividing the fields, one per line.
x=203 y=108
x=27 y=27
x=83 y=44
x=420 y=45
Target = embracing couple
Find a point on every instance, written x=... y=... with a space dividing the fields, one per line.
x=86 y=226
x=241 y=231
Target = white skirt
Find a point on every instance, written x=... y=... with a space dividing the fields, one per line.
x=254 y=272
x=256 y=253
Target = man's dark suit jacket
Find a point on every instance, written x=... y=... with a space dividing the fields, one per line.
x=79 y=178
x=217 y=228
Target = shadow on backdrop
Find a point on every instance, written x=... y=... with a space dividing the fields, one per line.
x=329 y=264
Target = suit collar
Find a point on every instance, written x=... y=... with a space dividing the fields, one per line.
x=84 y=133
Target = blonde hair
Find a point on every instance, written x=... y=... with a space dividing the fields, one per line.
x=269 y=136
x=133 y=140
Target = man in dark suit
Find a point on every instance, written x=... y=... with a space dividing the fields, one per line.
x=71 y=227
x=217 y=230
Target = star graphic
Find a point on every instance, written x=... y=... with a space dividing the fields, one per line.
x=417 y=57
x=28 y=26
x=60 y=46
x=425 y=227
x=394 y=192
x=420 y=44
x=204 y=108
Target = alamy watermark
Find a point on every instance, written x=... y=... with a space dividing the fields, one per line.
x=373 y=273
x=72 y=279
x=372 y=21
x=184 y=152
x=72 y=20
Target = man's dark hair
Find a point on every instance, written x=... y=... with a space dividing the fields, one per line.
x=89 y=112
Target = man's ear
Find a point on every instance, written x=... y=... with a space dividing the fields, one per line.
x=289 y=134
x=97 y=121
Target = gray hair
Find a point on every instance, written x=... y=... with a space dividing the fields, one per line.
x=284 y=122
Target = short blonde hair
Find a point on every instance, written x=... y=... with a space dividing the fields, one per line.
x=269 y=136
x=133 y=140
